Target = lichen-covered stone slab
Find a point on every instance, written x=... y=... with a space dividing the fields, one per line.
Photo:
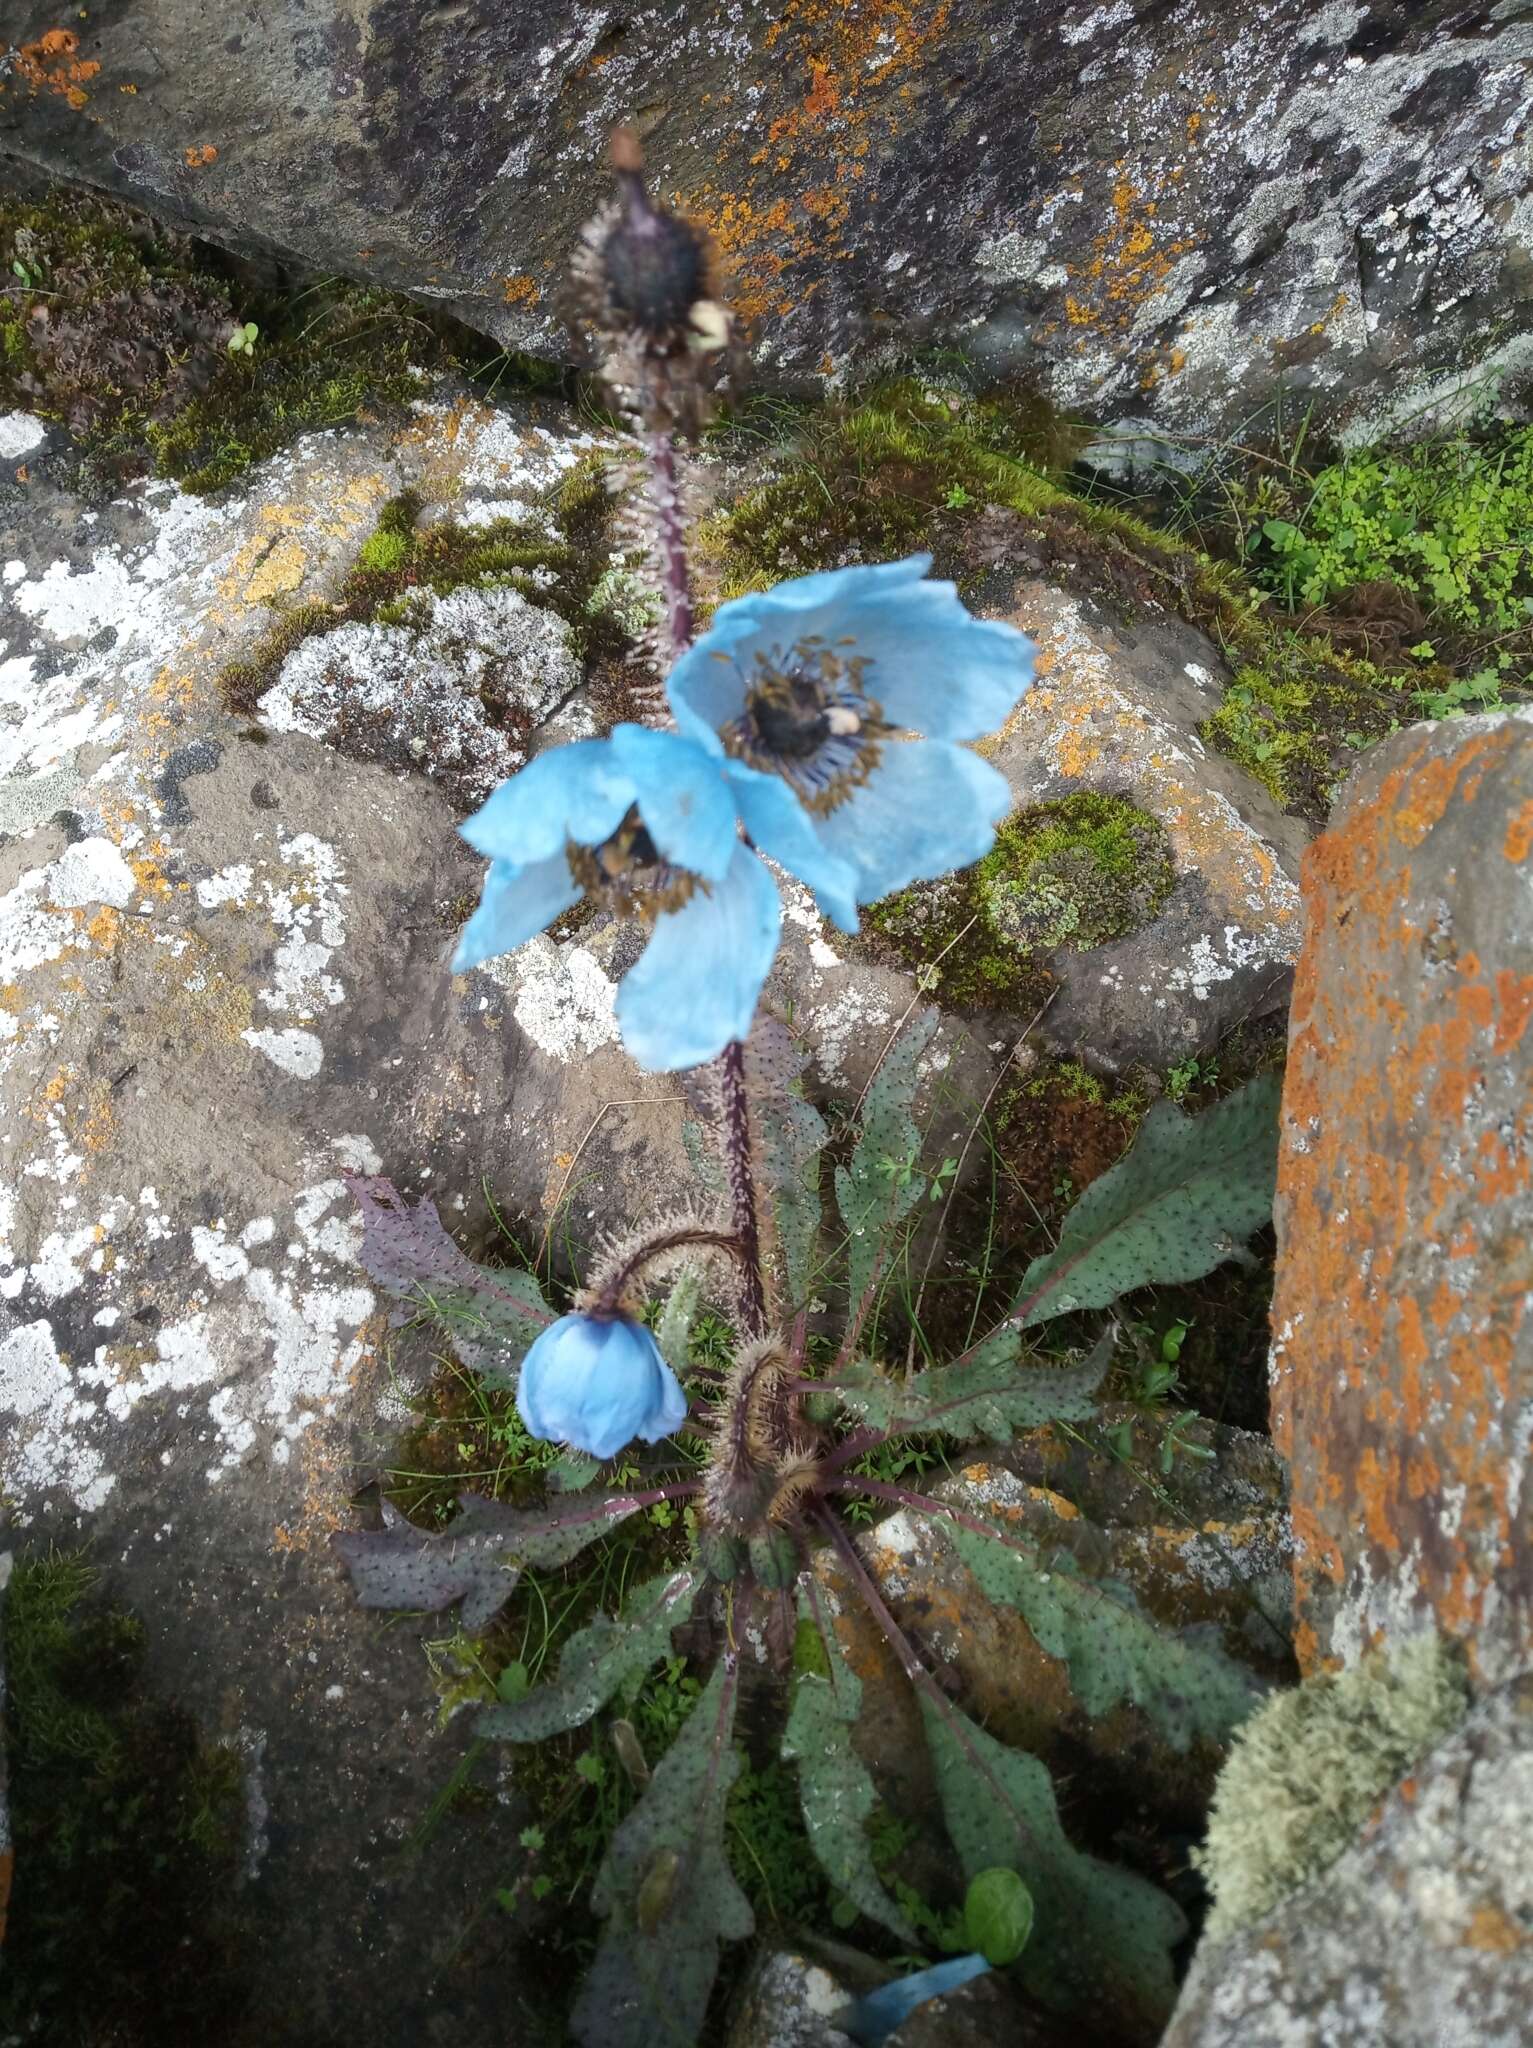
x=1402 y=1361
x=1170 y=211
x=1419 y=1936
x=1117 y=711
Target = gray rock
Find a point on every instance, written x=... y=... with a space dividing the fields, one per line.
x=789 y=2000
x=1115 y=711
x=1189 y=208
x=1419 y=1936
x=1402 y=1360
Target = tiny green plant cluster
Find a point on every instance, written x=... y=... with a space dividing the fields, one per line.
x=1450 y=521
x=679 y=1831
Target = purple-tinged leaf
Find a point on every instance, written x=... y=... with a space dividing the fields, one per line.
x=667 y=1892
x=493 y=1313
x=598 y=1661
x=478 y=1560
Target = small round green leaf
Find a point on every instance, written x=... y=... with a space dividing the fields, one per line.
x=998 y=1916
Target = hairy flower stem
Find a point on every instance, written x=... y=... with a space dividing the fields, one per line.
x=614 y=1288
x=735 y=1146
x=670 y=540
x=897 y=1639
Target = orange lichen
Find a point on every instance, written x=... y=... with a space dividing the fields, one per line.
x=855 y=58
x=1408 y=1143
x=51 y=65
x=521 y=290
x=197 y=154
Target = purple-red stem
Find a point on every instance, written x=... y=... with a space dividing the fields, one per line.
x=735 y=1144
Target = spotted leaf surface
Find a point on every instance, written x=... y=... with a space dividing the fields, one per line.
x=667 y=1892
x=598 y=1661
x=835 y=1789
x=1101 y=1938
x=1185 y=1199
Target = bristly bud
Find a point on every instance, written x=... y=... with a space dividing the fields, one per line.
x=645 y=283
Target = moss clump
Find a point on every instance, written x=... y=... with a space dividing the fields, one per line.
x=120 y=329
x=127 y=1831
x=1290 y=720
x=1076 y=872
x=1309 y=1767
x=401 y=561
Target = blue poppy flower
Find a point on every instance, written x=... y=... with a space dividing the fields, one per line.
x=874 y=2018
x=597 y=1382
x=649 y=823
x=831 y=681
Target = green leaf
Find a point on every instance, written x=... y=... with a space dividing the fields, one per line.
x=598 y=1661
x=571 y=1472
x=834 y=1787
x=1184 y=1199
x=1102 y=1937
x=1187 y=1684
x=997 y=1916
x=791 y=1134
x=880 y=1186
x=989 y=1394
x=674 y=1328
x=667 y=1893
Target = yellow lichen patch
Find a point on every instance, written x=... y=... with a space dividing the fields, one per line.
x=521 y=290
x=1131 y=256
x=279 y=570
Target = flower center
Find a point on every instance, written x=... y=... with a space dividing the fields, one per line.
x=808 y=717
x=627 y=875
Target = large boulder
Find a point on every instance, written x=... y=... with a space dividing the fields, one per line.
x=1402 y=1362
x=1170 y=212
x=1419 y=1936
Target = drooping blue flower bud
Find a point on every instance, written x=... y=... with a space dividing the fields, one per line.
x=597 y=1382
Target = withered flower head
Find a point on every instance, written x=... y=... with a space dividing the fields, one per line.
x=646 y=284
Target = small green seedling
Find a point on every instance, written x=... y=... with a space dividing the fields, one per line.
x=243 y=340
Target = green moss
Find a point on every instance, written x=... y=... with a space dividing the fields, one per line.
x=1309 y=1767
x=1289 y=719
x=401 y=560
x=120 y=329
x=127 y=1829
x=1076 y=872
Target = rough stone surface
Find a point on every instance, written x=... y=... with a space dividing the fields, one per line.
x=789 y=2000
x=1116 y=710
x=1419 y=1936
x=1210 y=1547
x=1402 y=1362
x=1189 y=207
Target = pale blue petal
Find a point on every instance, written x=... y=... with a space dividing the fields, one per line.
x=874 y=2018
x=926 y=809
x=683 y=799
x=935 y=669
x=515 y=903
x=598 y=1383
x=706 y=688
x=577 y=792
x=695 y=985
x=826 y=589
x=780 y=826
